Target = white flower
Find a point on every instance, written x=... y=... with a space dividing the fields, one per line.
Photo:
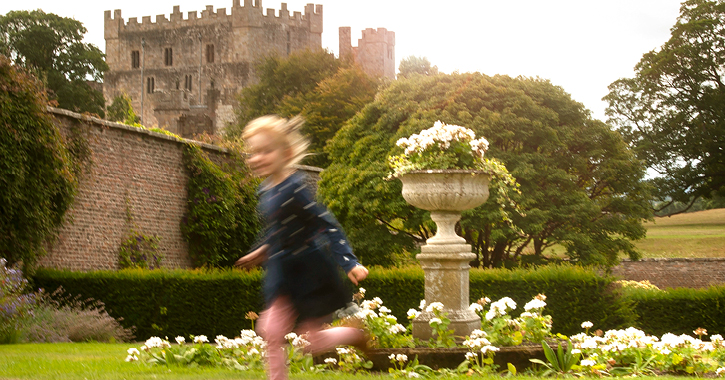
x=253 y=351
x=154 y=342
x=396 y=329
x=534 y=304
x=361 y=291
x=332 y=361
x=486 y=349
x=384 y=309
x=716 y=338
x=475 y=307
x=526 y=314
x=290 y=336
x=412 y=313
x=180 y=340
x=413 y=375
x=131 y=358
x=342 y=350
x=720 y=371
x=422 y=305
x=391 y=357
x=435 y=320
x=471 y=355
x=132 y=351
x=576 y=351
x=435 y=306
x=477 y=333
x=587 y=325
x=588 y=363
x=665 y=351
x=378 y=301
x=201 y=339
x=401 y=358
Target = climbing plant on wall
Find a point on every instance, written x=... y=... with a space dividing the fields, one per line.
x=221 y=221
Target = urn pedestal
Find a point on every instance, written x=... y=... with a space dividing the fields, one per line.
x=445 y=257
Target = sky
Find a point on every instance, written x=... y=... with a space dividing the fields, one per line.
x=579 y=45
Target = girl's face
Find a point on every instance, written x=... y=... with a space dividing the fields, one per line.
x=268 y=158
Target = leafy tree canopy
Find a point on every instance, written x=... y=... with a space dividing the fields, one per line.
x=672 y=112
x=122 y=111
x=51 y=46
x=416 y=65
x=325 y=91
x=581 y=187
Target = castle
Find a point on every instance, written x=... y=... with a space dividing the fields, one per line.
x=183 y=74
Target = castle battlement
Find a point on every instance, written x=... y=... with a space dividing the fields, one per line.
x=380 y=35
x=251 y=12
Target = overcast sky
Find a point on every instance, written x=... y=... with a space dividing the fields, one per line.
x=580 y=45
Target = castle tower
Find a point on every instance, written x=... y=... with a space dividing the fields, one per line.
x=375 y=51
x=180 y=65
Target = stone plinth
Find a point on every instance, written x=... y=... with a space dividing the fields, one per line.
x=446 y=281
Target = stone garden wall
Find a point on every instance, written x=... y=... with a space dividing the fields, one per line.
x=135 y=181
x=674 y=273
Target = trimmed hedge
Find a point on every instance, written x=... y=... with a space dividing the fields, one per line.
x=681 y=310
x=166 y=302
x=181 y=302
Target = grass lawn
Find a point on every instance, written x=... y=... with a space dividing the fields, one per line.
x=696 y=234
x=105 y=361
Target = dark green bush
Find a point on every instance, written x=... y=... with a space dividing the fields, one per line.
x=38 y=175
x=166 y=302
x=179 y=302
x=680 y=311
x=221 y=221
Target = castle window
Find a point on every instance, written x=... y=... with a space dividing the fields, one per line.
x=168 y=57
x=210 y=53
x=187 y=82
x=177 y=84
x=135 y=59
x=150 y=85
x=288 y=42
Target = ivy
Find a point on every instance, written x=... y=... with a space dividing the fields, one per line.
x=221 y=221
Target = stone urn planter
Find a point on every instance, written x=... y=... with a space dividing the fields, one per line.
x=445 y=257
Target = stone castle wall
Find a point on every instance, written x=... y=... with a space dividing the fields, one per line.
x=375 y=51
x=213 y=52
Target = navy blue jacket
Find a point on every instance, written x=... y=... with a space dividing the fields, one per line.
x=305 y=244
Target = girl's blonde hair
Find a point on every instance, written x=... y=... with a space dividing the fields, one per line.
x=287 y=133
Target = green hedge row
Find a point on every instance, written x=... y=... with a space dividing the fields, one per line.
x=680 y=311
x=181 y=302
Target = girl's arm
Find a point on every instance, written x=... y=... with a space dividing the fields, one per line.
x=254 y=258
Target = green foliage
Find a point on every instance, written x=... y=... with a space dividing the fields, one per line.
x=140 y=251
x=671 y=110
x=52 y=47
x=166 y=303
x=325 y=91
x=679 y=311
x=38 y=173
x=413 y=65
x=559 y=362
x=121 y=110
x=221 y=221
x=580 y=185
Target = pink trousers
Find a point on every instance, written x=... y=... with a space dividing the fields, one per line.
x=279 y=320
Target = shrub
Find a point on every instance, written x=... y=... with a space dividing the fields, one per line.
x=140 y=251
x=679 y=311
x=37 y=173
x=71 y=320
x=15 y=305
x=221 y=221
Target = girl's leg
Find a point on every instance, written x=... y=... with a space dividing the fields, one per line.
x=274 y=323
x=325 y=340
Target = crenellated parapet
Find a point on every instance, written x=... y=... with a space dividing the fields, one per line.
x=312 y=18
x=380 y=35
x=374 y=53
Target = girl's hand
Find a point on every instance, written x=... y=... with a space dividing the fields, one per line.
x=358 y=273
x=253 y=258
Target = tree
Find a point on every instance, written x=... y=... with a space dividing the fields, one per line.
x=416 y=65
x=325 y=91
x=280 y=78
x=580 y=185
x=37 y=173
x=51 y=46
x=672 y=112
x=121 y=110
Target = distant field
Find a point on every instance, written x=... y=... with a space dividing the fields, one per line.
x=695 y=234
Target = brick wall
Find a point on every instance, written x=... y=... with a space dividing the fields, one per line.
x=674 y=273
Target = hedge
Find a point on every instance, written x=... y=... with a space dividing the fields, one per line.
x=681 y=310
x=182 y=302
